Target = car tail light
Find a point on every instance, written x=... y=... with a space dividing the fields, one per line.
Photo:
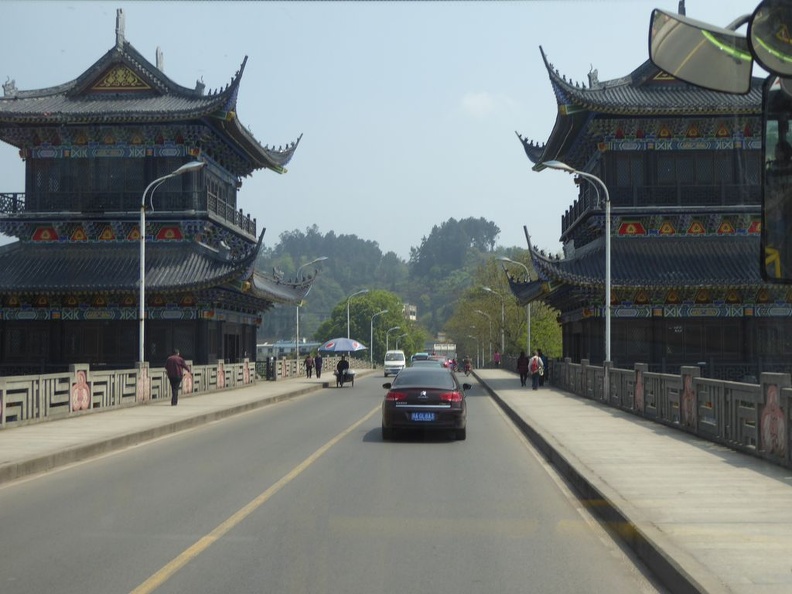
x=451 y=397
x=396 y=396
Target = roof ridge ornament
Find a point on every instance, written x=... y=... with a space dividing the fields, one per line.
x=120 y=25
x=9 y=88
x=593 y=77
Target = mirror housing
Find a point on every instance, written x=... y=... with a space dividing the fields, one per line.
x=696 y=52
x=770 y=36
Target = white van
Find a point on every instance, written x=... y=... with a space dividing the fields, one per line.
x=394 y=362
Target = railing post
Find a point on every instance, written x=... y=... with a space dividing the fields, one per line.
x=772 y=419
x=639 y=404
x=688 y=400
x=606 y=381
x=143 y=383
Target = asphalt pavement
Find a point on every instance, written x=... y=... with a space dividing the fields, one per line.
x=702 y=517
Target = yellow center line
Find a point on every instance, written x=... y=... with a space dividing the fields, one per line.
x=164 y=574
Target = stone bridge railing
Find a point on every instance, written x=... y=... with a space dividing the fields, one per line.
x=33 y=398
x=751 y=418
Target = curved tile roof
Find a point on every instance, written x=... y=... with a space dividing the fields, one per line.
x=661 y=262
x=112 y=268
x=155 y=98
x=646 y=91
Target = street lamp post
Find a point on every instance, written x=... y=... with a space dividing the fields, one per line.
x=387 y=333
x=489 y=317
x=187 y=167
x=527 y=306
x=503 y=317
x=477 y=348
x=371 y=337
x=297 y=335
x=348 y=299
x=593 y=178
x=399 y=337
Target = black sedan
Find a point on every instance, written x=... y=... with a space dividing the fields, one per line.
x=425 y=398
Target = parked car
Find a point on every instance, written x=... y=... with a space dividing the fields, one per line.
x=425 y=398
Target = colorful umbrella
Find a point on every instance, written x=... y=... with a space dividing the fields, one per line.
x=342 y=345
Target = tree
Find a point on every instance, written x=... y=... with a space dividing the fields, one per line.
x=361 y=310
x=466 y=321
x=447 y=246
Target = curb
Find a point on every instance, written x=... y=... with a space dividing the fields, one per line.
x=16 y=470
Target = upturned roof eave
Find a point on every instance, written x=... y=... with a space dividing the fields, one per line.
x=261 y=156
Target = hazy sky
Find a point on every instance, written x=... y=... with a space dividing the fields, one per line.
x=408 y=109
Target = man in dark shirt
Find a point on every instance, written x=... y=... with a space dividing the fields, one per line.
x=175 y=368
x=341 y=370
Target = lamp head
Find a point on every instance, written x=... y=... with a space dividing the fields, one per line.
x=560 y=165
x=191 y=166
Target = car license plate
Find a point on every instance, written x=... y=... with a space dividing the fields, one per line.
x=422 y=416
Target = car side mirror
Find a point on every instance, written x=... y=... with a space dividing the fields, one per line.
x=387 y=385
x=467 y=387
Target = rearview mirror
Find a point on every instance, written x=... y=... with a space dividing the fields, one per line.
x=698 y=53
x=770 y=36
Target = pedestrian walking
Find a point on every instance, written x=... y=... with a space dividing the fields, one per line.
x=496 y=358
x=536 y=368
x=522 y=367
x=309 y=365
x=175 y=367
x=318 y=365
x=542 y=375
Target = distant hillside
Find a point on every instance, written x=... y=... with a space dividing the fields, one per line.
x=438 y=271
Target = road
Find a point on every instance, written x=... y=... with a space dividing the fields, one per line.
x=305 y=497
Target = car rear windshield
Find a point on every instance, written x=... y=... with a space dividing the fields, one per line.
x=425 y=378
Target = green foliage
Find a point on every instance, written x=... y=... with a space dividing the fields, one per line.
x=362 y=323
x=476 y=322
x=351 y=262
x=447 y=247
x=444 y=279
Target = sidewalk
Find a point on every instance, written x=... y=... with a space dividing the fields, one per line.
x=42 y=446
x=702 y=517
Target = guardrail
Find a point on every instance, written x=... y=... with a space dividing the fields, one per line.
x=33 y=398
x=273 y=368
x=750 y=418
